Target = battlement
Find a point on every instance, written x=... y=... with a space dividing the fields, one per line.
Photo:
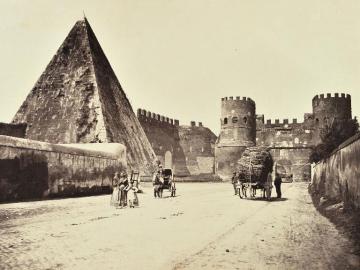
x=193 y=124
x=238 y=99
x=153 y=117
x=332 y=96
x=270 y=122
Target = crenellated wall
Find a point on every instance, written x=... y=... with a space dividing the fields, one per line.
x=189 y=150
x=238 y=131
x=290 y=141
x=32 y=169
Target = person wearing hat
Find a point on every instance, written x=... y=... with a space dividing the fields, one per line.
x=161 y=170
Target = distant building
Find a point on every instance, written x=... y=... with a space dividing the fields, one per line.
x=290 y=143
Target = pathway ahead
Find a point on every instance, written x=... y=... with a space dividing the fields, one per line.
x=204 y=227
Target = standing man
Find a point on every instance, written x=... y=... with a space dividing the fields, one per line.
x=234 y=182
x=277 y=184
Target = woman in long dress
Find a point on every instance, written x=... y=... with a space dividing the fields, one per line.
x=115 y=196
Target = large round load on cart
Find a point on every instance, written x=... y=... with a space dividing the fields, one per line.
x=255 y=164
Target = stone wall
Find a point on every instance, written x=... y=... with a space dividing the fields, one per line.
x=189 y=150
x=290 y=146
x=338 y=177
x=14 y=130
x=197 y=144
x=32 y=169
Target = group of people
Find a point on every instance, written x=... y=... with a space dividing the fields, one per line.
x=124 y=191
x=236 y=181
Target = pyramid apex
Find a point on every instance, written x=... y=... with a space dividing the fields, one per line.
x=78 y=99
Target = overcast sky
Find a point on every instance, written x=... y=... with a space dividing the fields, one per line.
x=179 y=57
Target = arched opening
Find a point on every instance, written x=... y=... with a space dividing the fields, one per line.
x=245 y=119
x=284 y=168
x=225 y=121
x=168 y=160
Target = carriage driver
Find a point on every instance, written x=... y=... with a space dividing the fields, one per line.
x=234 y=181
x=157 y=183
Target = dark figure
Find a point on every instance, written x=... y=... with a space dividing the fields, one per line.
x=234 y=182
x=157 y=185
x=277 y=184
x=123 y=192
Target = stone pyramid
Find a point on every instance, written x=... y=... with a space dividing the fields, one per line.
x=78 y=99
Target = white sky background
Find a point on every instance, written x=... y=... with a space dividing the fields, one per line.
x=178 y=58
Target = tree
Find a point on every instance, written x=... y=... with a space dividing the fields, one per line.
x=332 y=135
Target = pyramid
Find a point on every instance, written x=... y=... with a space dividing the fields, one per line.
x=78 y=99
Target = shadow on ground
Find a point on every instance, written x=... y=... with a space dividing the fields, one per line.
x=346 y=220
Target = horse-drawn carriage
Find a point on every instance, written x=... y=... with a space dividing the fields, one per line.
x=252 y=174
x=164 y=180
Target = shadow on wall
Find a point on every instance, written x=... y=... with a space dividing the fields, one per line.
x=179 y=157
x=23 y=178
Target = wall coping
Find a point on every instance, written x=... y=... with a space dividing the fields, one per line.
x=72 y=149
x=346 y=143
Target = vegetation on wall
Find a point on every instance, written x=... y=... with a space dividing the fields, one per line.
x=332 y=135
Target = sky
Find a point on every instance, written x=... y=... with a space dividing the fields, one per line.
x=178 y=58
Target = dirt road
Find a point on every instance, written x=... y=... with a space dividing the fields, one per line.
x=204 y=227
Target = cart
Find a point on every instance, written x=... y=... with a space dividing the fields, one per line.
x=168 y=183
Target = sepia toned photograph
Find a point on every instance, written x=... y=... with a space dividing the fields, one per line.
x=179 y=134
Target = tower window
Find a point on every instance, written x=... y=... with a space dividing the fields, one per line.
x=234 y=119
x=225 y=121
x=245 y=120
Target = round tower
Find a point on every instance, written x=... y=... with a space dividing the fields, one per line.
x=328 y=108
x=238 y=131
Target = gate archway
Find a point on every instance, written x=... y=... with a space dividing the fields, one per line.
x=168 y=160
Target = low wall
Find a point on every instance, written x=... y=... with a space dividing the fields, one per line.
x=32 y=169
x=338 y=177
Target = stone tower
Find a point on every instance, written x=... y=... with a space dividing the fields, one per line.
x=238 y=131
x=78 y=99
x=328 y=108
